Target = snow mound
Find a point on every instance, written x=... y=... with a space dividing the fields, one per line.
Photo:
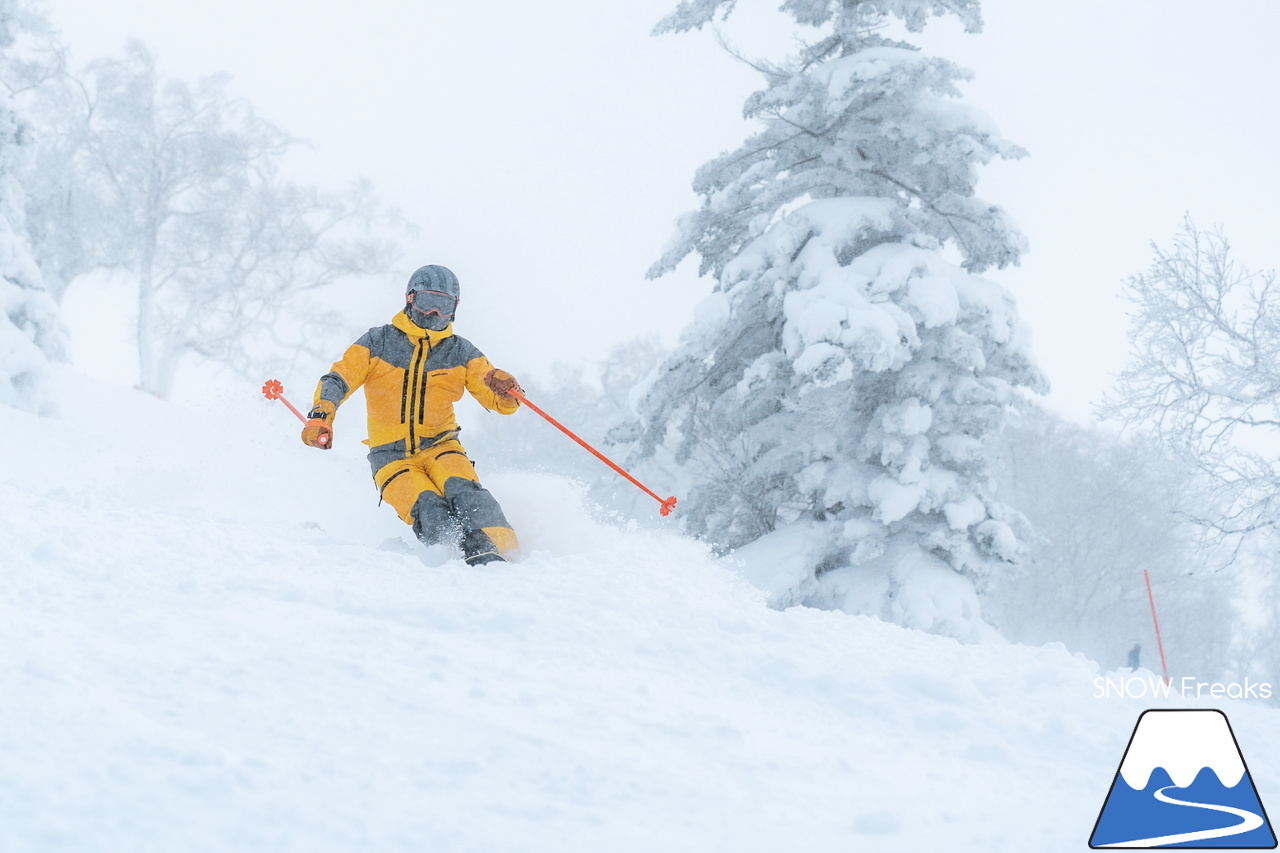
x=204 y=648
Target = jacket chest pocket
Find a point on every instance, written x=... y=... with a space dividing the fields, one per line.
x=444 y=385
x=440 y=389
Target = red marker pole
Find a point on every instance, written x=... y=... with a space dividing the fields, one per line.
x=273 y=390
x=667 y=504
x=1159 y=643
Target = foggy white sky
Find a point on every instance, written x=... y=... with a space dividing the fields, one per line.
x=546 y=149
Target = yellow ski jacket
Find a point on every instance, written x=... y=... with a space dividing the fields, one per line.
x=411 y=377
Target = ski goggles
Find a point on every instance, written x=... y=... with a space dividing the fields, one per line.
x=428 y=302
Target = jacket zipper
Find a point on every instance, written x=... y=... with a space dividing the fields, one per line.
x=404 y=395
x=413 y=401
x=422 y=399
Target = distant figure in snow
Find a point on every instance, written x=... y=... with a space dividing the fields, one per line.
x=413 y=370
x=1135 y=657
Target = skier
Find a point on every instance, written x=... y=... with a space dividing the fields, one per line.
x=414 y=369
x=1135 y=657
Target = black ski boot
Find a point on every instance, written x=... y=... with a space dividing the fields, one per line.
x=477 y=549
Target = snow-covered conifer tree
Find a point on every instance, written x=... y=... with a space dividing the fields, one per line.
x=835 y=393
x=30 y=335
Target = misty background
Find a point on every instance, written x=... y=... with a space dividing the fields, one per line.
x=545 y=151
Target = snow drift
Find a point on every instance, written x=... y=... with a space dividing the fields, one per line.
x=212 y=639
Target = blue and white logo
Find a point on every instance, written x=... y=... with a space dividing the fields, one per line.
x=1183 y=783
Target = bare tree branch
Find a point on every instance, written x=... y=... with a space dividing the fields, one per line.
x=1205 y=376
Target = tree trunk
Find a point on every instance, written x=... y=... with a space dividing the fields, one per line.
x=146 y=338
x=149 y=341
x=165 y=367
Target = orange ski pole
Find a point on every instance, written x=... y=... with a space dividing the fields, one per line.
x=666 y=505
x=273 y=390
x=1159 y=642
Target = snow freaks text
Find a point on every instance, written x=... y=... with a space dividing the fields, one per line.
x=1187 y=687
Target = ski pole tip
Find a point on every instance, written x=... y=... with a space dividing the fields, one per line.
x=272 y=389
x=668 y=505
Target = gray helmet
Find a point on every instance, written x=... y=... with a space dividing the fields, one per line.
x=431 y=297
x=434 y=277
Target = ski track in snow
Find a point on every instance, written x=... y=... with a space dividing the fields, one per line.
x=188 y=662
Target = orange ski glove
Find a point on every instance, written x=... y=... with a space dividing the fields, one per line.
x=502 y=383
x=318 y=431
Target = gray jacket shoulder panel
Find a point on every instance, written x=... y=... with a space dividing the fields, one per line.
x=391 y=345
x=453 y=351
x=466 y=350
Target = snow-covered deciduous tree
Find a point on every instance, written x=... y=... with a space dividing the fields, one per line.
x=1257 y=653
x=1205 y=374
x=845 y=375
x=68 y=215
x=178 y=185
x=1105 y=509
x=30 y=336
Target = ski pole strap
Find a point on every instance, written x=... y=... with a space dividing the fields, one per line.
x=667 y=504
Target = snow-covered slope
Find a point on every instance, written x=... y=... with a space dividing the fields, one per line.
x=203 y=647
